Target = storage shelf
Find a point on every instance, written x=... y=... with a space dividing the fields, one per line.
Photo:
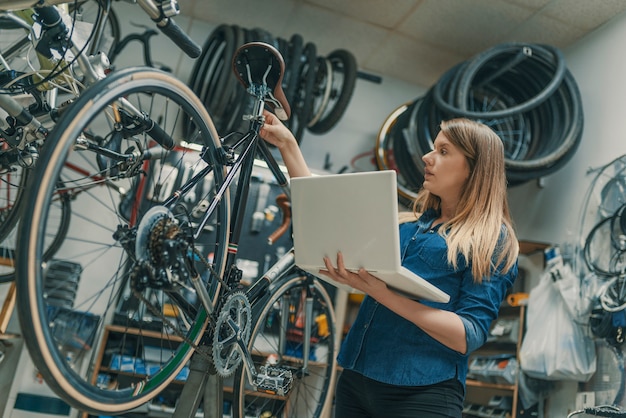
x=488 y=385
x=478 y=389
x=144 y=333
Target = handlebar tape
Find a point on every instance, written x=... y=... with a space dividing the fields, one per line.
x=180 y=38
x=158 y=134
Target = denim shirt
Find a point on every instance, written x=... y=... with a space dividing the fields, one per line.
x=387 y=348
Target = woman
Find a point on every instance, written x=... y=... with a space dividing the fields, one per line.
x=409 y=358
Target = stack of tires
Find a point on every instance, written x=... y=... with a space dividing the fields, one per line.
x=318 y=88
x=523 y=91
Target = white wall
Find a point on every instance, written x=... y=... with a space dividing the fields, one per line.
x=598 y=64
x=548 y=213
x=552 y=213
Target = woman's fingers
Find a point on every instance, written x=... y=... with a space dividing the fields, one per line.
x=341 y=268
x=328 y=265
x=361 y=280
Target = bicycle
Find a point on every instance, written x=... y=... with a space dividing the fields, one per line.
x=46 y=64
x=141 y=254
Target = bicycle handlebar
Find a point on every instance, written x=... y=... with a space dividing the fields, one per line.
x=171 y=29
x=180 y=38
x=163 y=22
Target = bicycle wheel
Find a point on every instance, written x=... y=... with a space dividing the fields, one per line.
x=322 y=87
x=302 y=101
x=211 y=72
x=130 y=253
x=12 y=188
x=344 y=69
x=277 y=337
x=604 y=250
x=12 y=195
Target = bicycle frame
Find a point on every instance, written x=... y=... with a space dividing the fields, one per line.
x=199 y=275
x=149 y=6
x=91 y=69
x=242 y=165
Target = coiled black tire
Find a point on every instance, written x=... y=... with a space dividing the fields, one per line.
x=510 y=59
x=523 y=92
x=344 y=80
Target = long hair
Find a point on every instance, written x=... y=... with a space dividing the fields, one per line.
x=476 y=230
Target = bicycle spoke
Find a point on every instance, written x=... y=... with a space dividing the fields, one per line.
x=277 y=340
x=116 y=294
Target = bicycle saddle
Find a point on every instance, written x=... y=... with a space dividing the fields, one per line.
x=259 y=64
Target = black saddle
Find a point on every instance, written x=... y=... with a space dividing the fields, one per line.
x=260 y=64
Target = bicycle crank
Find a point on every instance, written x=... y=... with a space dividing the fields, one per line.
x=232 y=333
x=230 y=348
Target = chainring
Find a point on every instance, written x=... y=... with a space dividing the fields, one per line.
x=233 y=325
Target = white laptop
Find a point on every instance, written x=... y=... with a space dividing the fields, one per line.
x=357 y=214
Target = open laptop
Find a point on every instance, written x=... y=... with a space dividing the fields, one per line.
x=357 y=214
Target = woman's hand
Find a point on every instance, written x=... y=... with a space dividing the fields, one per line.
x=361 y=280
x=275 y=132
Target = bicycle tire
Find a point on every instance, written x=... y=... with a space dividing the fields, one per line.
x=344 y=81
x=231 y=85
x=399 y=132
x=321 y=89
x=385 y=154
x=474 y=65
x=118 y=225
x=8 y=253
x=211 y=71
x=293 y=64
x=302 y=101
x=305 y=399
x=12 y=189
x=568 y=102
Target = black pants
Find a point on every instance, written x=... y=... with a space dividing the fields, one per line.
x=357 y=396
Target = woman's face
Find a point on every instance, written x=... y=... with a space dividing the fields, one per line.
x=446 y=170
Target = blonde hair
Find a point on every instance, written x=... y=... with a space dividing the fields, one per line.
x=476 y=229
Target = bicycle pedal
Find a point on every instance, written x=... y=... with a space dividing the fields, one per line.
x=274 y=380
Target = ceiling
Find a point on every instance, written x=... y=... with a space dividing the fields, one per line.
x=412 y=40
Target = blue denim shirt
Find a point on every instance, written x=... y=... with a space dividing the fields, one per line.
x=386 y=347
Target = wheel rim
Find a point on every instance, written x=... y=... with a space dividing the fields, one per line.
x=104 y=254
x=309 y=393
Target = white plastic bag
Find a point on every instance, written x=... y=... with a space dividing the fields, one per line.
x=556 y=345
